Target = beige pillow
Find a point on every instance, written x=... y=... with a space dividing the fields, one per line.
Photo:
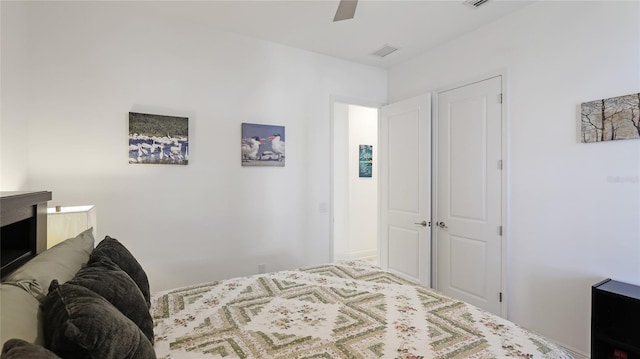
x=20 y=315
x=60 y=262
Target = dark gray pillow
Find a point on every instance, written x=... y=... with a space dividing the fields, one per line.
x=111 y=248
x=107 y=279
x=79 y=323
x=21 y=349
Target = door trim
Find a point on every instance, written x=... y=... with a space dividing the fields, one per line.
x=505 y=191
x=351 y=101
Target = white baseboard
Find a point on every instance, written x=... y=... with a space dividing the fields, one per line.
x=371 y=254
x=341 y=256
x=368 y=254
x=574 y=353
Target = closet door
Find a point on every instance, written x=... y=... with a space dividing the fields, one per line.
x=469 y=215
x=405 y=188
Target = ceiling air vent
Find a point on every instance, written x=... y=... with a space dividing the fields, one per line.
x=475 y=3
x=384 y=51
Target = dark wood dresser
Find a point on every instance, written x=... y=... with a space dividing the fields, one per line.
x=615 y=320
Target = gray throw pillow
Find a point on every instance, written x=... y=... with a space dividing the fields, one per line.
x=60 y=262
x=20 y=349
x=107 y=279
x=79 y=323
x=111 y=248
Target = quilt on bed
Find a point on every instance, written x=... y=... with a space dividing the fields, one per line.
x=342 y=310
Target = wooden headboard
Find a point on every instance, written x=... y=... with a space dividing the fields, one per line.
x=23 y=217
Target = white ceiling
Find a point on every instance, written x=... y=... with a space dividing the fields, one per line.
x=412 y=26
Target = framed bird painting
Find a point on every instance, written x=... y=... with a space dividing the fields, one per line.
x=262 y=145
x=158 y=139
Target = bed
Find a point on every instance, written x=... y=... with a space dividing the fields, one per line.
x=81 y=299
x=340 y=310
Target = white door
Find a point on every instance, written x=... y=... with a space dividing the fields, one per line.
x=469 y=185
x=405 y=185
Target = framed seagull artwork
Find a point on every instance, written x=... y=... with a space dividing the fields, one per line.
x=262 y=145
x=158 y=139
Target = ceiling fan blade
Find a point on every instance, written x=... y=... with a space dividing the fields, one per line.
x=346 y=10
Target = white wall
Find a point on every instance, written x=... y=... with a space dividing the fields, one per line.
x=355 y=199
x=89 y=64
x=14 y=156
x=573 y=207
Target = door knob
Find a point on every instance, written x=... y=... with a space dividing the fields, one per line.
x=442 y=225
x=423 y=223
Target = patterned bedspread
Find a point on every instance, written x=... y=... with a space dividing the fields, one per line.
x=342 y=310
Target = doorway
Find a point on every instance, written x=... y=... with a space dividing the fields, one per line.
x=469 y=191
x=355 y=182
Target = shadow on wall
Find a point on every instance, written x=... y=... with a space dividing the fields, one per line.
x=561 y=300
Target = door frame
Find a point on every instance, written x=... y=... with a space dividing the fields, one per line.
x=506 y=228
x=356 y=102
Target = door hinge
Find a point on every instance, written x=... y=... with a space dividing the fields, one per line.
x=499 y=230
x=500 y=297
x=499 y=164
x=499 y=98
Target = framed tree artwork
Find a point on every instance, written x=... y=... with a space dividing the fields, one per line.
x=615 y=118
